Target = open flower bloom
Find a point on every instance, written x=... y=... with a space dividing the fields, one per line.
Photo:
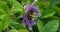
x=31 y=16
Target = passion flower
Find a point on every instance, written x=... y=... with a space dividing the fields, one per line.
x=31 y=16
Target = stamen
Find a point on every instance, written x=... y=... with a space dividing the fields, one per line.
x=33 y=19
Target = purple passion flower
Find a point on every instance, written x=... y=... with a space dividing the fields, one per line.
x=31 y=16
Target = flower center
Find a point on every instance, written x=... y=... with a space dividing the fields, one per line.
x=32 y=16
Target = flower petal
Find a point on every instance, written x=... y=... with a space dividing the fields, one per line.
x=31 y=22
x=29 y=27
x=33 y=9
x=24 y=22
x=38 y=14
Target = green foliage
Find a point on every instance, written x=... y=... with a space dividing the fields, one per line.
x=18 y=30
x=1 y=11
x=4 y=6
x=17 y=26
x=17 y=7
x=5 y=21
x=48 y=13
x=51 y=26
x=4 y=16
x=54 y=2
x=40 y=26
x=22 y=30
x=48 y=22
x=57 y=9
x=13 y=30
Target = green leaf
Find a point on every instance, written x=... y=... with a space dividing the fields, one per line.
x=54 y=18
x=54 y=2
x=5 y=21
x=59 y=29
x=51 y=26
x=0 y=26
x=9 y=3
x=3 y=0
x=4 y=6
x=2 y=11
x=17 y=7
x=22 y=30
x=48 y=13
x=40 y=26
x=4 y=16
x=24 y=1
x=17 y=26
x=13 y=30
x=57 y=9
